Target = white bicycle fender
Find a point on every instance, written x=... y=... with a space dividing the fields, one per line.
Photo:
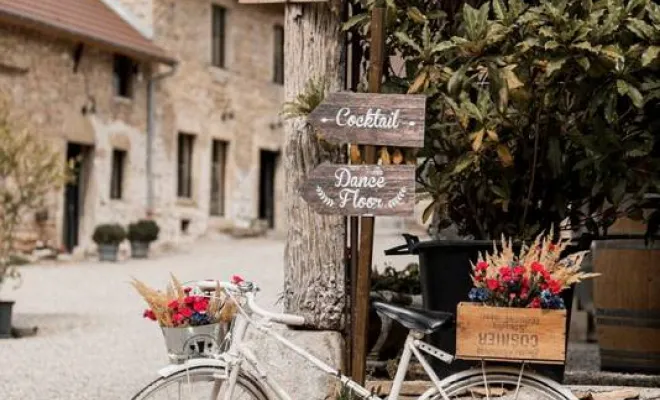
x=192 y=363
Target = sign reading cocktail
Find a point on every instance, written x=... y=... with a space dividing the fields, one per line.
x=366 y=118
x=361 y=189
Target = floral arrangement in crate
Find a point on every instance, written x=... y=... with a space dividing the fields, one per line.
x=181 y=306
x=535 y=278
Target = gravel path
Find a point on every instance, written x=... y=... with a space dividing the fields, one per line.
x=92 y=341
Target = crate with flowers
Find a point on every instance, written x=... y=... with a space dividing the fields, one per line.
x=516 y=311
x=194 y=322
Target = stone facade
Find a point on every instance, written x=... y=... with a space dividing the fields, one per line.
x=238 y=104
x=47 y=93
x=74 y=102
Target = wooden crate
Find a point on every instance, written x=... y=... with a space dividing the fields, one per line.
x=510 y=334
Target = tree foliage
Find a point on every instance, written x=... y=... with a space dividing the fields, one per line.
x=538 y=115
x=30 y=169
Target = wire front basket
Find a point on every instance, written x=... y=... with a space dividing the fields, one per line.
x=196 y=341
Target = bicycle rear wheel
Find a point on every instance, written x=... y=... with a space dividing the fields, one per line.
x=201 y=383
x=504 y=383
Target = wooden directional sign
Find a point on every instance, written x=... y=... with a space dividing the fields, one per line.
x=361 y=189
x=369 y=118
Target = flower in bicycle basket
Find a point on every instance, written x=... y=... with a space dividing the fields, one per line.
x=149 y=313
x=176 y=307
x=237 y=279
x=187 y=312
x=533 y=278
x=200 y=304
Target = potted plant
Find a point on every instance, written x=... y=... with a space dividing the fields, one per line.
x=30 y=170
x=193 y=322
x=141 y=234
x=538 y=116
x=108 y=237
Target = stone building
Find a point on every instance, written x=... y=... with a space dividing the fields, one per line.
x=223 y=103
x=169 y=107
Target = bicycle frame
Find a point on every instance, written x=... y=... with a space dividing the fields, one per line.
x=239 y=352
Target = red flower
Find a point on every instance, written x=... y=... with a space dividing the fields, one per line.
x=536 y=303
x=201 y=306
x=505 y=271
x=492 y=284
x=186 y=290
x=173 y=305
x=538 y=267
x=554 y=286
x=186 y=312
x=525 y=283
x=149 y=314
x=237 y=279
x=478 y=278
x=177 y=318
x=482 y=266
x=519 y=270
x=189 y=299
x=524 y=293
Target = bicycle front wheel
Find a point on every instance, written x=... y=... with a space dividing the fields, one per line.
x=201 y=383
x=501 y=383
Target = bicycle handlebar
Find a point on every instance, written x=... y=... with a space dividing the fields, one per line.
x=286 y=319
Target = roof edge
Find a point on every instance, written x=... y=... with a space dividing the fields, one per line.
x=72 y=34
x=130 y=18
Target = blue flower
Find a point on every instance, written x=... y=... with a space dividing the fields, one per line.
x=550 y=301
x=199 y=319
x=479 y=294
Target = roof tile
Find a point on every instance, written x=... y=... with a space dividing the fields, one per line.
x=88 y=20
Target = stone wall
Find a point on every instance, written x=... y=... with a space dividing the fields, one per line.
x=47 y=95
x=238 y=104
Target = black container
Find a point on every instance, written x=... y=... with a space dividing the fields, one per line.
x=5 y=319
x=445 y=268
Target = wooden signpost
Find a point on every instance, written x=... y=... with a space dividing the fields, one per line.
x=366 y=118
x=366 y=190
x=361 y=189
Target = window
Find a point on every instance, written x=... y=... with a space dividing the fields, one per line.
x=218 y=167
x=184 y=164
x=278 y=62
x=218 y=39
x=117 y=175
x=124 y=69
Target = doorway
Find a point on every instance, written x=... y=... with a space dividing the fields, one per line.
x=268 y=167
x=74 y=193
x=218 y=178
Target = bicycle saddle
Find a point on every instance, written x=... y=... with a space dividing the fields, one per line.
x=414 y=318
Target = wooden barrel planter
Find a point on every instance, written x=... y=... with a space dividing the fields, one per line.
x=627 y=301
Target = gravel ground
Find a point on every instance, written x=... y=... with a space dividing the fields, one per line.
x=92 y=341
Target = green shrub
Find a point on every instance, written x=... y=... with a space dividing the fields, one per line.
x=143 y=231
x=109 y=234
x=539 y=114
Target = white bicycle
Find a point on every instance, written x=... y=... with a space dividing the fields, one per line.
x=226 y=376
